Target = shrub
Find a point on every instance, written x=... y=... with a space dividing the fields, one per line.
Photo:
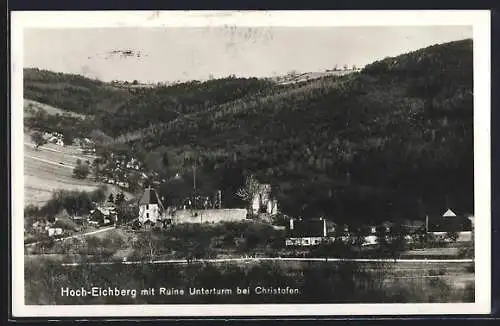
x=81 y=171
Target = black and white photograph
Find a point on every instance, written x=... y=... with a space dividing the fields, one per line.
x=250 y=163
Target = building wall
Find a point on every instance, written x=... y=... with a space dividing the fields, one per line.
x=150 y=212
x=209 y=215
x=305 y=241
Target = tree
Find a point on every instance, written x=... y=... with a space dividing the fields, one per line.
x=120 y=198
x=81 y=171
x=68 y=136
x=249 y=190
x=96 y=168
x=452 y=236
x=133 y=180
x=111 y=198
x=147 y=246
x=38 y=139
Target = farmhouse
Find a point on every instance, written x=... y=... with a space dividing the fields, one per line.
x=103 y=215
x=150 y=207
x=450 y=223
x=306 y=232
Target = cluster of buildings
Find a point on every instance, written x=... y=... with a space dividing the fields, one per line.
x=440 y=227
x=118 y=168
x=54 y=138
x=65 y=224
x=202 y=209
x=87 y=145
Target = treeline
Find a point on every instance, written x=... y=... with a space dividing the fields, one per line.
x=72 y=92
x=202 y=241
x=166 y=103
x=119 y=110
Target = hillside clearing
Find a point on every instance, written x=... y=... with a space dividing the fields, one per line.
x=50 y=168
x=47 y=108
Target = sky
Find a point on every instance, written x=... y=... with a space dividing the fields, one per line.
x=187 y=53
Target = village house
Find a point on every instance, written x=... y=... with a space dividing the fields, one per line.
x=53 y=231
x=450 y=223
x=47 y=135
x=306 y=232
x=151 y=208
x=62 y=223
x=103 y=215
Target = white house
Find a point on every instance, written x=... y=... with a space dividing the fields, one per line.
x=449 y=222
x=54 y=231
x=150 y=207
x=306 y=232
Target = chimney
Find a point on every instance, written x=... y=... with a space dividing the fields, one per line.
x=324 y=227
x=291 y=223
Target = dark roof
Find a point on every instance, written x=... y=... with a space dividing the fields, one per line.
x=149 y=197
x=449 y=224
x=306 y=228
x=65 y=224
x=63 y=214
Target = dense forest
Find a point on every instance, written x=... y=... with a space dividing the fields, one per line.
x=392 y=141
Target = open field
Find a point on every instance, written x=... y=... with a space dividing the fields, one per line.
x=50 y=168
x=43 y=174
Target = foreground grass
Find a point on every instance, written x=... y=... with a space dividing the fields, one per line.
x=316 y=283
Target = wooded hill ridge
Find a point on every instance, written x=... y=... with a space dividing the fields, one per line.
x=394 y=140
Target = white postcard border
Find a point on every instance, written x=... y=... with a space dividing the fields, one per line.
x=479 y=19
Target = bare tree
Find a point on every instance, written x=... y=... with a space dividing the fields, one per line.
x=249 y=190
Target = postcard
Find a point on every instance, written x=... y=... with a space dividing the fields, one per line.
x=250 y=163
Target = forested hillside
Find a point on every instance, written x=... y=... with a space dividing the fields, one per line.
x=126 y=109
x=394 y=140
x=165 y=103
x=391 y=141
x=72 y=92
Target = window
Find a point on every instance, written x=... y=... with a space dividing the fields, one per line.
x=147 y=207
x=147 y=215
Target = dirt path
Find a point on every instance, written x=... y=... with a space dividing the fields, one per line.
x=50 y=162
x=75 y=235
x=224 y=260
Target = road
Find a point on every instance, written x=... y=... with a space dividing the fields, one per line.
x=50 y=162
x=224 y=260
x=75 y=235
x=62 y=152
